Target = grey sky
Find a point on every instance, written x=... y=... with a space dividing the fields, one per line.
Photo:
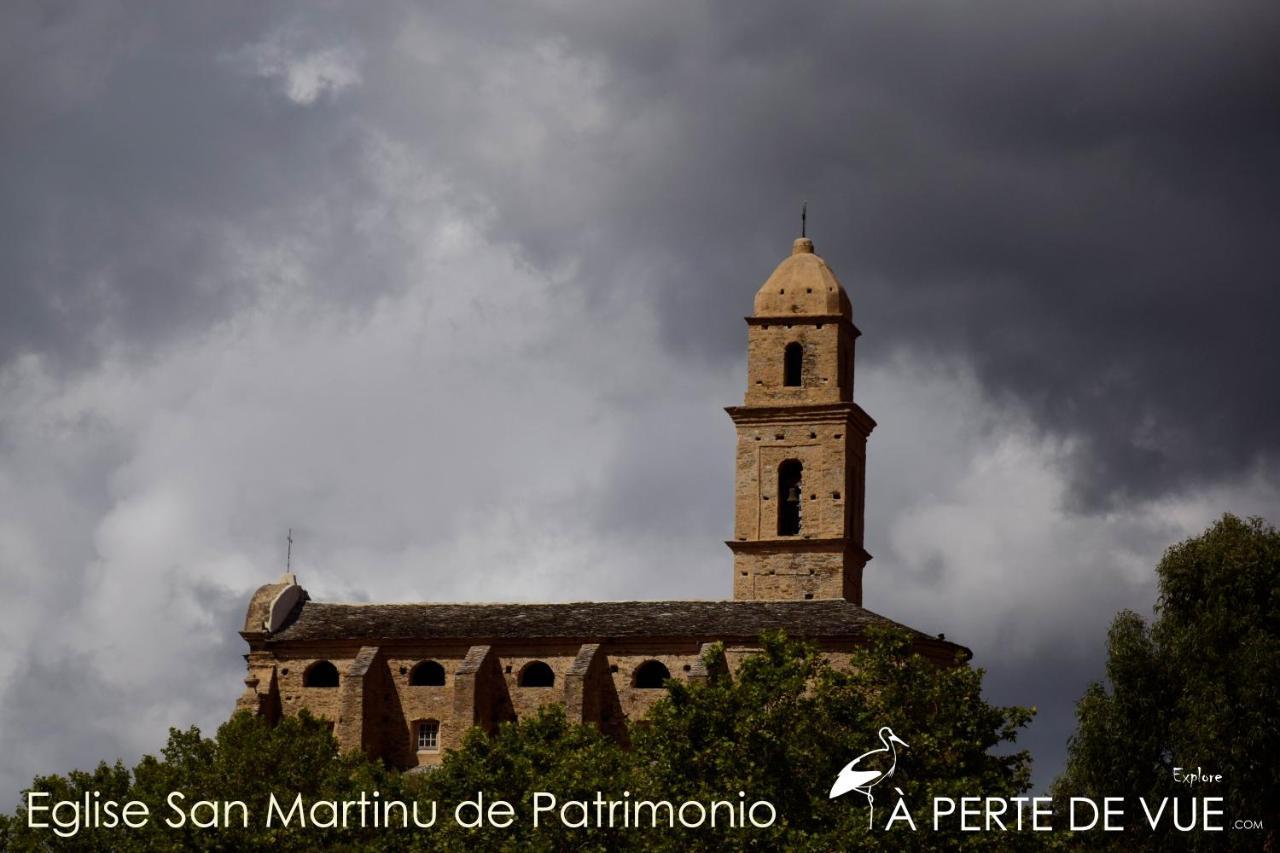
x=456 y=290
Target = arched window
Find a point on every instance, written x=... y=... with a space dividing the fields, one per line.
x=789 y=497
x=792 y=365
x=428 y=735
x=427 y=674
x=651 y=674
x=537 y=674
x=320 y=674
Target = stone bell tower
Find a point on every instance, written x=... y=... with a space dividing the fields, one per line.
x=801 y=442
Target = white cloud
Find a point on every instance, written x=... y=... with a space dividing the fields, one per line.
x=971 y=523
x=302 y=75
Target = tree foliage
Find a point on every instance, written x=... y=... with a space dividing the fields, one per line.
x=248 y=760
x=779 y=730
x=788 y=721
x=1199 y=687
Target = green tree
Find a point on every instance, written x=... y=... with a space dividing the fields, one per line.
x=1198 y=687
x=542 y=752
x=248 y=760
x=788 y=721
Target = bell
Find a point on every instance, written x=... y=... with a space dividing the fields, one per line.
x=793 y=495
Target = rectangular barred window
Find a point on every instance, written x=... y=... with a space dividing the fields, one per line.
x=428 y=736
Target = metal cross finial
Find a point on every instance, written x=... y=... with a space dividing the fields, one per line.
x=804 y=215
x=288 y=560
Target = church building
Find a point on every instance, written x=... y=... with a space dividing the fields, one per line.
x=405 y=681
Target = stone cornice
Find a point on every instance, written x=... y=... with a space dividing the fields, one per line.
x=810 y=413
x=790 y=544
x=801 y=320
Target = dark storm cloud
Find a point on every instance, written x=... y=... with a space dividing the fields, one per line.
x=142 y=148
x=1052 y=684
x=1076 y=198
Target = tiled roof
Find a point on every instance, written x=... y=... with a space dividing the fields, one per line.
x=727 y=620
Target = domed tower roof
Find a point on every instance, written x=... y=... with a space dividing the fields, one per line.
x=803 y=284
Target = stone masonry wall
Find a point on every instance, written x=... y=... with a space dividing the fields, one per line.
x=826 y=377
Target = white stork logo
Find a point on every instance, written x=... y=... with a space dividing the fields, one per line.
x=868 y=770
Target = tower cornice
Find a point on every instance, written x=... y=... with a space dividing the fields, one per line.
x=802 y=320
x=788 y=544
x=810 y=413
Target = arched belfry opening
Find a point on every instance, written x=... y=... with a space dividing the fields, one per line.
x=793 y=365
x=790 y=474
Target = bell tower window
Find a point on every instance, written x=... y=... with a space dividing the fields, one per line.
x=792 y=365
x=789 y=498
